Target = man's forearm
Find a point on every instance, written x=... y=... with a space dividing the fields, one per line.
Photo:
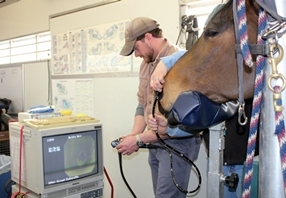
x=139 y=125
x=150 y=137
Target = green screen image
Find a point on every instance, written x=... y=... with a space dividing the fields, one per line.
x=79 y=156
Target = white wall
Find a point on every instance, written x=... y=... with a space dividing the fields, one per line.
x=36 y=87
x=115 y=96
x=32 y=16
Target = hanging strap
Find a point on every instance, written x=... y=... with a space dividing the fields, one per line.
x=244 y=50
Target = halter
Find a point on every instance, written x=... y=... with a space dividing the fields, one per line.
x=244 y=51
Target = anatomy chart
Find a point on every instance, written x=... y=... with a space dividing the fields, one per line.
x=60 y=54
x=90 y=50
x=74 y=94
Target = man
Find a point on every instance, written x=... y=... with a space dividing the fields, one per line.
x=236 y=135
x=144 y=37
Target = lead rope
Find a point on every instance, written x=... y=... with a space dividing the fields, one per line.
x=256 y=105
x=277 y=29
x=281 y=134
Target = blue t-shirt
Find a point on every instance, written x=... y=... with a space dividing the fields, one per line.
x=169 y=61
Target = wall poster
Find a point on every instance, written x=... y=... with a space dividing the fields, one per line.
x=90 y=50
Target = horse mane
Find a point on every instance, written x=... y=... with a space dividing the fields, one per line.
x=224 y=17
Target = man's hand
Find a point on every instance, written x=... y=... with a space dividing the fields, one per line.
x=159 y=123
x=127 y=145
x=157 y=78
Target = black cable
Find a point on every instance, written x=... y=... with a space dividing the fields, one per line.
x=114 y=144
x=122 y=175
x=171 y=150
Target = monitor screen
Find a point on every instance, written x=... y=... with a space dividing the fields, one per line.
x=69 y=157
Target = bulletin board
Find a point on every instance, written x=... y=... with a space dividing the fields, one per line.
x=11 y=86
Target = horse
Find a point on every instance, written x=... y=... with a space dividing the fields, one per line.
x=210 y=66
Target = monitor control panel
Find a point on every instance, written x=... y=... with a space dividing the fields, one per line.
x=92 y=194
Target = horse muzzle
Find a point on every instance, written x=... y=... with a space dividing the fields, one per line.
x=195 y=110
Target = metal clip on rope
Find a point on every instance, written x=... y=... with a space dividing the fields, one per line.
x=274 y=61
x=242 y=118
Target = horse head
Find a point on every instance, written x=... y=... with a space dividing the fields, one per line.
x=209 y=66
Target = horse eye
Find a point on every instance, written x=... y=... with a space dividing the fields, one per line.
x=211 y=33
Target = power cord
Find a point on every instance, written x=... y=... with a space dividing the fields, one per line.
x=109 y=180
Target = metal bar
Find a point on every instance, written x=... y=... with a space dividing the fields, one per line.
x=215 y=175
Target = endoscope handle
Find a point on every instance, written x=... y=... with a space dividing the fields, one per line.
x=114 y=143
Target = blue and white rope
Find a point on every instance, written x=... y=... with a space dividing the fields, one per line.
x=243 y=35
x=281 y=135
x=258 y=88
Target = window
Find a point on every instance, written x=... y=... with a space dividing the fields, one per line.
x=201 y=9
x=24 y=49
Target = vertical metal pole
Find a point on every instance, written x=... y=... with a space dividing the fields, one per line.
x=215 y=175
x=270 y=173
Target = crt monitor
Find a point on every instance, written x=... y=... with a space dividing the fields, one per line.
x=69 y=156
x=58 y=161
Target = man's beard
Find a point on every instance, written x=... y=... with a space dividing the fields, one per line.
x=149 y=56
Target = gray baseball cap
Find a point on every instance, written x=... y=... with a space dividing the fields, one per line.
x=136 y=28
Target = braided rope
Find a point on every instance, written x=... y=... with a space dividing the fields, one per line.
x=258 y=87
x=242 y=29
x=281 y=135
